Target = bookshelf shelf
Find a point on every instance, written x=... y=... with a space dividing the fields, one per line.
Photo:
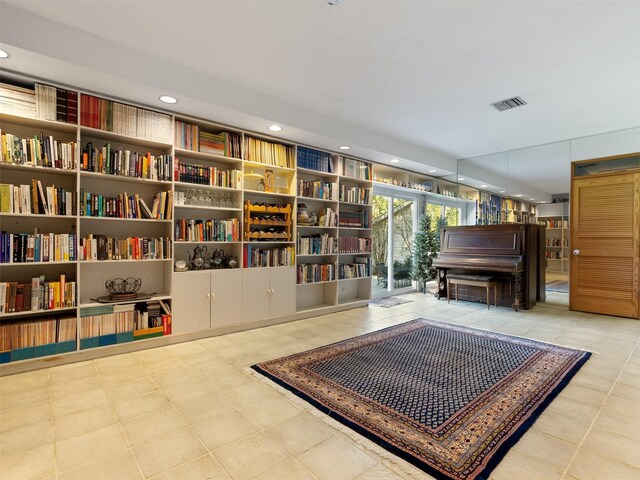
x=202 y=207
x=37 y=264
x=262 y=166
x=207 y=242
x=37 y=170
x=192 y=154
x=206 y=187
x=317 y=173
x=127 y=139
x=153 y=298
x=316 y=254
x=117 y=219
x=33 y=312
x=122 y=178
x=268 y=194
x=314 y=227
x=126 y=260
x=366 y=229
x=37 y=215
x=38 y=123
x=315 y=283
x=319 y=200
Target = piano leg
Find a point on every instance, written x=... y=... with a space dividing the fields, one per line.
x=517 y=304
x=441 y=287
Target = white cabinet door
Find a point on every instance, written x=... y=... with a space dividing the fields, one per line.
x=256 y=294
x=283 y=287
x=226 y=297
x=191 y=306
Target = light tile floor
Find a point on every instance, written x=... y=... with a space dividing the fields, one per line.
x=191 y=411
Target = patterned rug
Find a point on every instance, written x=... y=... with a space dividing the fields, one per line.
x=389 y=302
x=449 y=399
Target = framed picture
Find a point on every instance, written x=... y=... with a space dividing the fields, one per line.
x=268 y=181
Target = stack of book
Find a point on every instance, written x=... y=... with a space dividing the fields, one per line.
x=17 y=101
x=34 y=199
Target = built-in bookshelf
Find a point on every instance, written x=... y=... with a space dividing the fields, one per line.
x=555 y=217
x=222 y=226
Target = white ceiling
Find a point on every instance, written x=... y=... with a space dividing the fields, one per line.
x=406 y=79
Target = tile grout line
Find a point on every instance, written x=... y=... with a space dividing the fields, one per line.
x=565 y=472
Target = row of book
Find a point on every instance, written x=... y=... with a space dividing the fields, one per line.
x=315 y=159
x=554 y=255
x=360 y=269
x=38 y=151
x=268 y=257
x=37 y=247
x=314 y=273
x=44 y=331
x=204 y=175
x=551 y=223
x=355 y=194
x=116 y=161
x=122 y=318
x=56 y=104
x=269 y=153
x=351 y=219
x=557 y=242
x=126 y=206
x=40 y=294
x=354 y=245
x=318 y=244
x=317 y=189
x=191 y=230
x=356 y=169
x=100 y=247
x=191 y=137
x=124 y=119
x=36 y=199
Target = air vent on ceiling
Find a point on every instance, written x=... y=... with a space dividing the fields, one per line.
x=508 y=104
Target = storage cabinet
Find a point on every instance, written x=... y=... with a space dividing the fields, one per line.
x=268 y=293
x=207 y=299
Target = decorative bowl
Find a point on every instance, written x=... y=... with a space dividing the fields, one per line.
x=123 y=286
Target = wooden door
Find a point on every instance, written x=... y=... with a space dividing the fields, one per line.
x=605 y=215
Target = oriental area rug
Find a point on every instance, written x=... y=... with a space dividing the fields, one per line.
x=449 y=399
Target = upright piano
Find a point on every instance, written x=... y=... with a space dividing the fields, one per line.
x=513 y=253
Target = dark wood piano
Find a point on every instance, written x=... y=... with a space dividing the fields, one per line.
x=513 y=253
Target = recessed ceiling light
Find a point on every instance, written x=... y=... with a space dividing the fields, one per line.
x=483 y=186
x=460 y=178
x=433 y=170
x=502 y=191
x=275 y=128
x=4 y=54
x=394 y=160
x=344 y=147
x=519 y=195
x=168 y=99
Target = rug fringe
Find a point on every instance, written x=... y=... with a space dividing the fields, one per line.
x=384 y=457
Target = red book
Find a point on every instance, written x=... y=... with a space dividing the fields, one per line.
x=166 y=324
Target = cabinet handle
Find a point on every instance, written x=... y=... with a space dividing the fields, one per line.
x=209 y=296
x=213 y=297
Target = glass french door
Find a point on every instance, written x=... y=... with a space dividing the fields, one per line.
x=393 y=230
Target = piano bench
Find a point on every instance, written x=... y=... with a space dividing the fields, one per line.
x=474 y=281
